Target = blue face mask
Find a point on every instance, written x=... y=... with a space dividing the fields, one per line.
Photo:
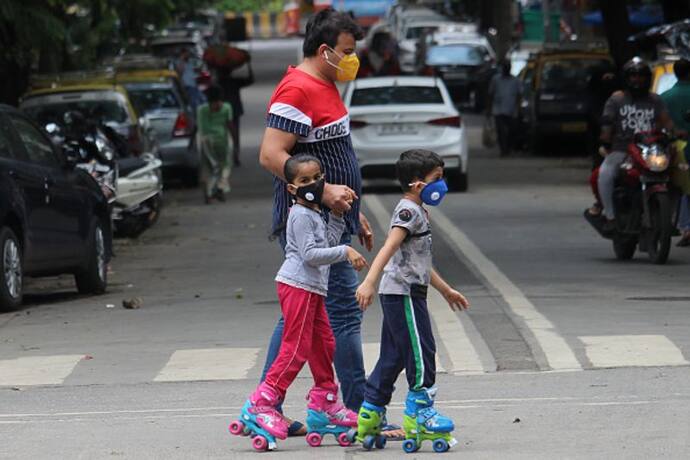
x=433 y=193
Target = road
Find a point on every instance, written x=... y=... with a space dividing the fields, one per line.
x=565 y=353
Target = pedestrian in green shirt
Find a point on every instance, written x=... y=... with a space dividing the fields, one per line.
x=215 y=144
x=677 y=100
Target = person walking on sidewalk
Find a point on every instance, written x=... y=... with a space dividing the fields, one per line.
x=677 y=101
x=505 y=94
x=311 y=247
x=215 y=144
x=307 y=115
x=407 y=339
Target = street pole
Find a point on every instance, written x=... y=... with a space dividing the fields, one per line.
x=546 y=10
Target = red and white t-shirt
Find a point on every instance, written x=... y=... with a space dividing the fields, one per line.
x=313 y=110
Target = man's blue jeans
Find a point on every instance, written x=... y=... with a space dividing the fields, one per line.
x=346 y=321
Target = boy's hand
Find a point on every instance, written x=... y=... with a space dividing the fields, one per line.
x=356 y=259
x=457 y=301
x=365 y=294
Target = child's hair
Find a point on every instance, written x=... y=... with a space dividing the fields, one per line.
x=415 y=164
x=214 y=93
x=293 y=163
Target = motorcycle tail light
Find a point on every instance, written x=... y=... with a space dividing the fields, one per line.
x=182 y=127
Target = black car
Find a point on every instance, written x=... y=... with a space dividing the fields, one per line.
x=465 y=68
x=54 y=218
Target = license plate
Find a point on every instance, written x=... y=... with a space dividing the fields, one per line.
x=397 y=129
x=577 y=127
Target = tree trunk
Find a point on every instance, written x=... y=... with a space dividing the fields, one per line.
x=675 y=10
x=618 y=29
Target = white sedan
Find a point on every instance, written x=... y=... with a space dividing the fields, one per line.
x=389 y=115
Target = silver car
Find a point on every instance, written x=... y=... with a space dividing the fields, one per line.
x=389 y=115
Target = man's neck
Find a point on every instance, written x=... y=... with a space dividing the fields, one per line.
x=309 y=66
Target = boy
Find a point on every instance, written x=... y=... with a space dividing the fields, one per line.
x=302 y=281
x=407 y=340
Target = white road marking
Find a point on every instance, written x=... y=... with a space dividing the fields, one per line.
x=37 y=370
x=462 y=354
x=208 y=364
x=632 y=350
x=558 y=354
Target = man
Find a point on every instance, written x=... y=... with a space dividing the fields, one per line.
x=677 y=100
x=626 y=113
x=185 y=69
x=306 y=115
x=505 y=93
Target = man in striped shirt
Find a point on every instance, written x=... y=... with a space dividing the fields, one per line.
x=307 y=115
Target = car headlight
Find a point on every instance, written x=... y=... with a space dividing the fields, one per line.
x=657 y=160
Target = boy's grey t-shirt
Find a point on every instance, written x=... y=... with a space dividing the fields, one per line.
x=411 y=264
x=312 y=247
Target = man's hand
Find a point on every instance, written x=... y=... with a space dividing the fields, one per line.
x=356 y=259
x=365 y=294
x=366 y=236
x=338 y=197
x=457 y=301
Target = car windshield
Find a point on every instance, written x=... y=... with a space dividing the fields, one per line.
x=456 y=55
x=397 y=95
x=569 y=74
x=666 y=82
x=104 y=111
x=414 y=33
x=152 y=99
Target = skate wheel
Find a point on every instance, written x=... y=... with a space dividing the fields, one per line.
x=314 y=439
x=236 y=428
x=260 y=443
x=344 y=439
x=351 y=435
x=380 y=441
x=368 y=442
x=441 y=445
x=410 y=446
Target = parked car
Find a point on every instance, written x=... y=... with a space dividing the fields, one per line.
x=466 y=65
x=163 y=105
x=54 y=218
x=108 y=103
x=389 y=115
x=409 y=38
x=557 y=100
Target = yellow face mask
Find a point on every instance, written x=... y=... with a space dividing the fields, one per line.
x=347 y=67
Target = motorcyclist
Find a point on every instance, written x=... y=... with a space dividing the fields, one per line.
x=626 y=113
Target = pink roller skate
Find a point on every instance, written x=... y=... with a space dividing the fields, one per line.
x=326 y=415
x=260 y=419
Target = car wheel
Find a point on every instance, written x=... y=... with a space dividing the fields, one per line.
x=11 y=270
x=93 y=278
x=457 y=181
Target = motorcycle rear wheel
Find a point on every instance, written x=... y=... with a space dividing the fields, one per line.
x=624 y=248
x=659 y=235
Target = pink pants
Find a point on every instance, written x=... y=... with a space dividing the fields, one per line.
x=307 y=337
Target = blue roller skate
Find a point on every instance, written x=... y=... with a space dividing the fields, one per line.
x=422 y=422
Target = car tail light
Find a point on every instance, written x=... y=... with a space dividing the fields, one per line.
x=182 y=127
x=356 y=124
x=453 y=122
x=428 y=71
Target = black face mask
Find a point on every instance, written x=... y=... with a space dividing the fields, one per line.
x=313 y=192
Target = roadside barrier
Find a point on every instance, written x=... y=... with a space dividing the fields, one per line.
x=261 y=24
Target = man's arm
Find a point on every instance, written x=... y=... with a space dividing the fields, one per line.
x=274 y=150
x=365 y=292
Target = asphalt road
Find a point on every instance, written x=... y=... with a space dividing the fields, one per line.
x=566 y=353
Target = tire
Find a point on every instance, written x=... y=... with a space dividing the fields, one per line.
x=659 y=235
x=93 y=278
x=11 y=270
x=624 y=248
x=458 y=181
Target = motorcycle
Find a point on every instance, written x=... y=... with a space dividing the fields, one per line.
x=644 y=199
x=132 y=184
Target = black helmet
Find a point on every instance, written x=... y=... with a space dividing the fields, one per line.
x=637 y=66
